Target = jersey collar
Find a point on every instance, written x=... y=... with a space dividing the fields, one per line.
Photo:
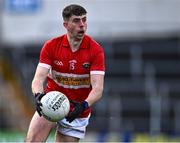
x=82 y=46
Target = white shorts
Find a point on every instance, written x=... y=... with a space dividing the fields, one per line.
x=76 y=128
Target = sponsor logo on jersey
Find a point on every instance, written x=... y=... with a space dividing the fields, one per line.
x=73 y=81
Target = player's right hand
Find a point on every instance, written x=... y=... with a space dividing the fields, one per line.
x=38 y=97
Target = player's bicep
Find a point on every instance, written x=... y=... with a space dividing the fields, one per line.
x=39 y=79
x=41 y=73
x=97 y=81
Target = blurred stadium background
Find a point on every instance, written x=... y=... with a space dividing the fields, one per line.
x=141 y=39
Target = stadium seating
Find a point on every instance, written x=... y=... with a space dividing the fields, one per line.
x=141 y=83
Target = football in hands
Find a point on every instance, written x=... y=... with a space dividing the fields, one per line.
x=55 y=106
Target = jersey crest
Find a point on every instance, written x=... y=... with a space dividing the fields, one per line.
x=72 y=64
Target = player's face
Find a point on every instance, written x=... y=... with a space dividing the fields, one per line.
x=76 y=26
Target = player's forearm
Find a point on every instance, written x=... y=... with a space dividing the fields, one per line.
x=97 y=82
x=37 y=86
x=95 y=95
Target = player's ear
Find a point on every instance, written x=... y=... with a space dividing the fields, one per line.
x=65 y=24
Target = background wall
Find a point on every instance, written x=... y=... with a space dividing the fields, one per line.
x=116 y=18
x=141 y=40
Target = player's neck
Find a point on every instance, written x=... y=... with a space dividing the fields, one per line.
x=74 y=44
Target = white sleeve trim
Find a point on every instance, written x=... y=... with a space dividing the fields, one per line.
x=97 y=72
x=44 y=65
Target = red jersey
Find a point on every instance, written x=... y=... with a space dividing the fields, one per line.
x=70 y=71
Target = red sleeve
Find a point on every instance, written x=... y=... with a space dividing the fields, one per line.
x=45 y=55
x=98 y=61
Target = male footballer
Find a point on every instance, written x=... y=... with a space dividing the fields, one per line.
x=73 y=64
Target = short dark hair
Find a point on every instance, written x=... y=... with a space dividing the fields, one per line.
x=73 y=9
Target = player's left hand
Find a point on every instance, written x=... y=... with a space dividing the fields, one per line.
x=77 y=110
x=38 y=97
